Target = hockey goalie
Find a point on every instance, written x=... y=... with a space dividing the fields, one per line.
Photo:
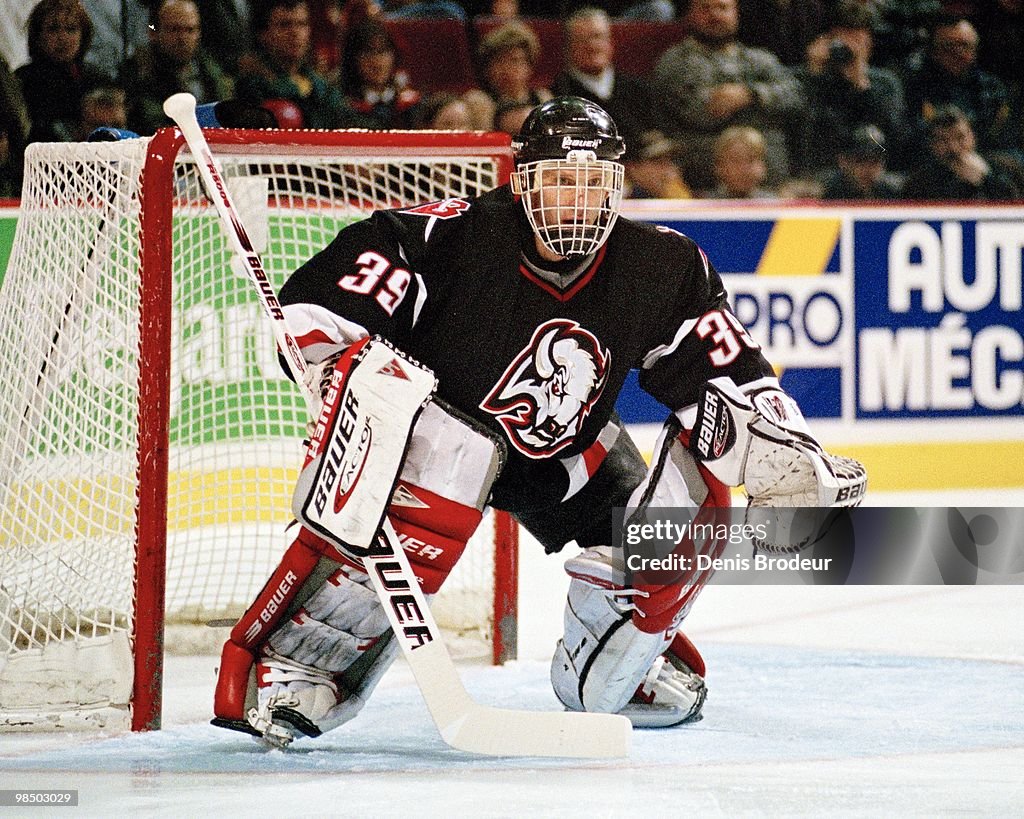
x=530 y=304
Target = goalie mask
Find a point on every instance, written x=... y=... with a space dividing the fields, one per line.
x=567 y=175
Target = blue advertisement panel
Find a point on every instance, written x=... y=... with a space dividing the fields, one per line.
x=788 y=284
x=872 y=314
x=939 y=322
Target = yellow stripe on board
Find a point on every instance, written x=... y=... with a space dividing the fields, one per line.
x=799 y=247
x=937 y=466
x=209 y=499
x=963 y=465
x=97 y=509
x=243 y=495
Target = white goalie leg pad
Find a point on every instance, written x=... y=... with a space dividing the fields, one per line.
x=446 y=480
x=334 y=626
x=318 y=668
x=604 y=663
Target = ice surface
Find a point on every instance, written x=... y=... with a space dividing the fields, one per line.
x=848 y=701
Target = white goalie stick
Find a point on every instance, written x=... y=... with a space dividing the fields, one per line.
x=464 y=724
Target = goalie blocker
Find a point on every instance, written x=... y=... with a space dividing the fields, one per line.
x=306 y=655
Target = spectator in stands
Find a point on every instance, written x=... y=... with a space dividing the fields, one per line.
x=371 y=80
x=506 y=58
x=14 y=126
x=443 y=111
x=740 y=165
x=511 y=115
x=279 y=69
x=1000 y=24
x=844 y=91
x=955 y=170
x=119 y=28
x=949 y=75
x=172 y=61
x=783 y=27
x=227 y=31
x=590 y=73
x=105 y=106
x=652 y=10
x=710 y=81
x=652 y=171
x=55 y=79
x=860 y=169
x=447 y=9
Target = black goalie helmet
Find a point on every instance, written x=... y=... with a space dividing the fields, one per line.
x=568 y=174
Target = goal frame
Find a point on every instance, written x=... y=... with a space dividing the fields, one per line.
x=155 y=222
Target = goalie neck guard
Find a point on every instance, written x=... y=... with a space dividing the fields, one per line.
x=568 y=175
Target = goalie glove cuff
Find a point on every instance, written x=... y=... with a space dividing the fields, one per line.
x=719 y=438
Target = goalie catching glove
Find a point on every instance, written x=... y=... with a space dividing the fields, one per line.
x=759 y=439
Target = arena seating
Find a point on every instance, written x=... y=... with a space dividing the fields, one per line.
x=639 y=43
x=551 y=35
x=434 y=52
x=438 y=53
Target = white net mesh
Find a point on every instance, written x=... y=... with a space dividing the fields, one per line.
x=70 y=401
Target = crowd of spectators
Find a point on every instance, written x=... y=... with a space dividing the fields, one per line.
x=830 y=99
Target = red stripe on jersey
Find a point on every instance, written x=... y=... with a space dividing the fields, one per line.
x=593 y=457
x=314 y=337
x=578 y=285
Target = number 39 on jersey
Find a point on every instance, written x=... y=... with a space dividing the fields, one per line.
x=377 y=276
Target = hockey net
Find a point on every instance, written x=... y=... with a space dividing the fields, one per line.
x=148 y=440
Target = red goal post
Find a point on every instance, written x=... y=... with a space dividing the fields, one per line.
x=147 y=436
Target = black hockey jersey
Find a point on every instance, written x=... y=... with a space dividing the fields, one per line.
x=447 y=283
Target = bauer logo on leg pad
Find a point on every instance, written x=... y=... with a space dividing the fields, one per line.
x=351 y=469
x=360 y=440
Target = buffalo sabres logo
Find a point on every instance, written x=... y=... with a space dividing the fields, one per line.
x=545 y=395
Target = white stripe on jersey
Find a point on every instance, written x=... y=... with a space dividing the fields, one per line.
x=430 y=227
x=326 y=331
x=421 y=298
x=667 y=349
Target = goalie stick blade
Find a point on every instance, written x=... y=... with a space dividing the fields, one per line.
x=501 y=732
x=463 y=723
